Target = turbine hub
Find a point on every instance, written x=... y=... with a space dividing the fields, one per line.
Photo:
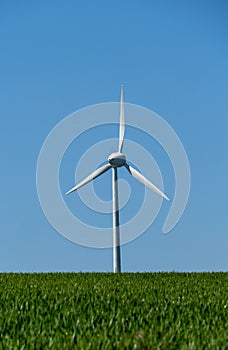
x=117 y=159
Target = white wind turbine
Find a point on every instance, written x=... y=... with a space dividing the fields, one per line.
x=116 y=160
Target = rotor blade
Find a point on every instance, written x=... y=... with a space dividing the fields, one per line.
x=91 y=177
x=146 y=182
x=122 y=126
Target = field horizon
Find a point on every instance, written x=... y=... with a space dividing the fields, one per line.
x=87 y=310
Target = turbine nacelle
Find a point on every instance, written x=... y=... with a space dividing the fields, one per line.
x=117 y=159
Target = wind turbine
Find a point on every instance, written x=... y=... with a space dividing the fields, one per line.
x=115 y=161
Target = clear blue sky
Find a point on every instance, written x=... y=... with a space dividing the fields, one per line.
x=59 y=56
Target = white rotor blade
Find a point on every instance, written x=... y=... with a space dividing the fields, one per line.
x=146 y=182
x=122 y=126
x=91 y=177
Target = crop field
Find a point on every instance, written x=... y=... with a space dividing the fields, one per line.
x=114 y=311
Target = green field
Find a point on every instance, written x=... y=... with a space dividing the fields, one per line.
x=114 y=311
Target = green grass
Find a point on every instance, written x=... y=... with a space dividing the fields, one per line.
x=107 y=311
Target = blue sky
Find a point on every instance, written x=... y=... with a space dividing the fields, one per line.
x=57 y=57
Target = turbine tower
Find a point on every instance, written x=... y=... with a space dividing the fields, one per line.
x=115 y=161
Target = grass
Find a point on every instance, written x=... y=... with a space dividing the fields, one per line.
x=114 y=311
